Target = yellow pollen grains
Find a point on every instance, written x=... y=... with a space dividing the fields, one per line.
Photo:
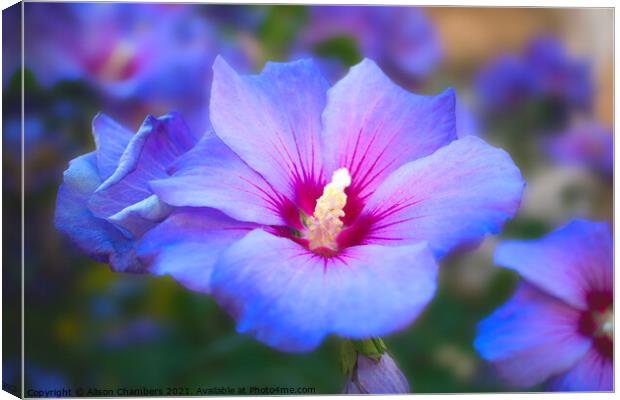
x=325 y=224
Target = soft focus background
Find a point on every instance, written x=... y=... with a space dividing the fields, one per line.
x=537 y=82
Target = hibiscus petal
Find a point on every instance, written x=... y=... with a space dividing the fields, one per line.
x=211 y=175
x=291 y=298
x=372 y=126
x=187 y=244
x=452 y=197
x=150 y=152
x=569 y=263
x=96 y=237
x=140 y=216
x=531 y=337
x=272 y=120
x=593 y=372
x=111 y=140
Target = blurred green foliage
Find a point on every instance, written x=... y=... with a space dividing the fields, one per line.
x=278 y=30
x=341 y=48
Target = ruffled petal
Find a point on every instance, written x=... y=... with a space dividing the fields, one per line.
x=187 y=244
x=453 y=197
x=111 y=140
x=569 y=263
x=291 y=298
x=531 y=338
x=150 y=152
x=96 y=237
x=272 y=120
x=211 y=175
x=372 y=126
x=140 y=216
x=593 y=372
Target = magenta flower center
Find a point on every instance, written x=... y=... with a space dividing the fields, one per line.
x=325 y=218
x=597 y=322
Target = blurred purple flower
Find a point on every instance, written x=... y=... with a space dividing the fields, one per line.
x=114 y=45
x=544 y=70
x=159 y=54
x=559 y=322
x=376 y=377
x=402 y=39
x=104 y=203
x=505 y=82
x=312 y=211
x=586 y=144
x=244 y=17
x=33 y=133
x=559 y=76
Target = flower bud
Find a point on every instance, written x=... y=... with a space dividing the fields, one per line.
x=376 y=377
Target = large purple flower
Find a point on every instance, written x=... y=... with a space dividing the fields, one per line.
x=559 y=322
x=399 y=38
x=316 y=210
x=104 y=203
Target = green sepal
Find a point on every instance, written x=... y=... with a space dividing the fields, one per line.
x=372 y=348
x=348 y=357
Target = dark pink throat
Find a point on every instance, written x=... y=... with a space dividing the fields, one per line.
x=592 y=320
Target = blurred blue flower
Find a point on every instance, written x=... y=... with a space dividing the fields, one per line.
x=401 y=39
x=560 y=76
x=559 y=323
x=587 y=143
x=104 y=203
x=40 y=379
x=543 y=71
x=159 y=54
x=505 y=82
x=241 y=17
x=264 y=222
